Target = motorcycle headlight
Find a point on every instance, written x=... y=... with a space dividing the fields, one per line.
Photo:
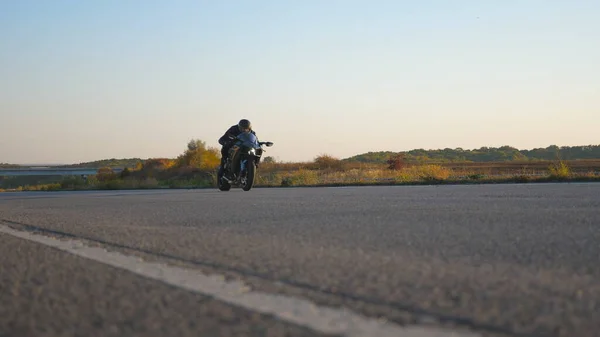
x=252 y=151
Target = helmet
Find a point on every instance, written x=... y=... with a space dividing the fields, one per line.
x=245 y=125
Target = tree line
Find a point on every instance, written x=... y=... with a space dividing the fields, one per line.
x=484 y=154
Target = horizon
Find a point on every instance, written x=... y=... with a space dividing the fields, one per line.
x=342 y=158
x=110 y=79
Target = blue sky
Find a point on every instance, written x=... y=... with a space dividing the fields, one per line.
x=88 y=80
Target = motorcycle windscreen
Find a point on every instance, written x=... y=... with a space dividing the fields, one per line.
x=248 y=139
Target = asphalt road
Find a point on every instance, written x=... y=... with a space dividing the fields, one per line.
x=500 y=260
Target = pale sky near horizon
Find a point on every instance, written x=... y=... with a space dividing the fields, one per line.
x=90 y=80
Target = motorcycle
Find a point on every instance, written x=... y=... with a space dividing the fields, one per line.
x=241 y=163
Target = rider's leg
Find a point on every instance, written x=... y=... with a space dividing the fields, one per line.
x=224 y=154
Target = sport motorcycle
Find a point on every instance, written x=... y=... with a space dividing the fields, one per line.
x=241 y=163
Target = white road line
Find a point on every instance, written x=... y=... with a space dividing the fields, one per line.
x=289 y=309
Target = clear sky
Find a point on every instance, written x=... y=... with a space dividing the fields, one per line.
x=89 y=80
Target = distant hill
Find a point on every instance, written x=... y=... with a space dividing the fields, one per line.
x=8 y=166
x=126 y=162
x=484 y=154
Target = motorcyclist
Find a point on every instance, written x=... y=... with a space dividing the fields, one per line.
x=228 y=139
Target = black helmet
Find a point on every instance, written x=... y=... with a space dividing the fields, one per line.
x=245 y=124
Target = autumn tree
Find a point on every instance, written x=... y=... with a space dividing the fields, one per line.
x=326 y=161
x=105 y=174
x=269 y=159
x=200 y=156
x=396 y=162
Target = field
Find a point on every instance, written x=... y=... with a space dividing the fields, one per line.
x=196 y=168
x=333 y=172
x=324 y=171
x=581 y=166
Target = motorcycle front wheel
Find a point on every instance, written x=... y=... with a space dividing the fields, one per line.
x=248 y=179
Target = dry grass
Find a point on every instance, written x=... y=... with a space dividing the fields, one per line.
x=44 y=187
x=315 y=177
x=306 y=174
x=428 y=173
x=329 y=171
x=526 y=167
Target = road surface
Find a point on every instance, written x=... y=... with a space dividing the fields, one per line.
x=480 y=260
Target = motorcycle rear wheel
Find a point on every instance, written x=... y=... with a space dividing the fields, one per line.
x=222 y=183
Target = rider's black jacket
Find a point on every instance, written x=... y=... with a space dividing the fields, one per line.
x=231 y=134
